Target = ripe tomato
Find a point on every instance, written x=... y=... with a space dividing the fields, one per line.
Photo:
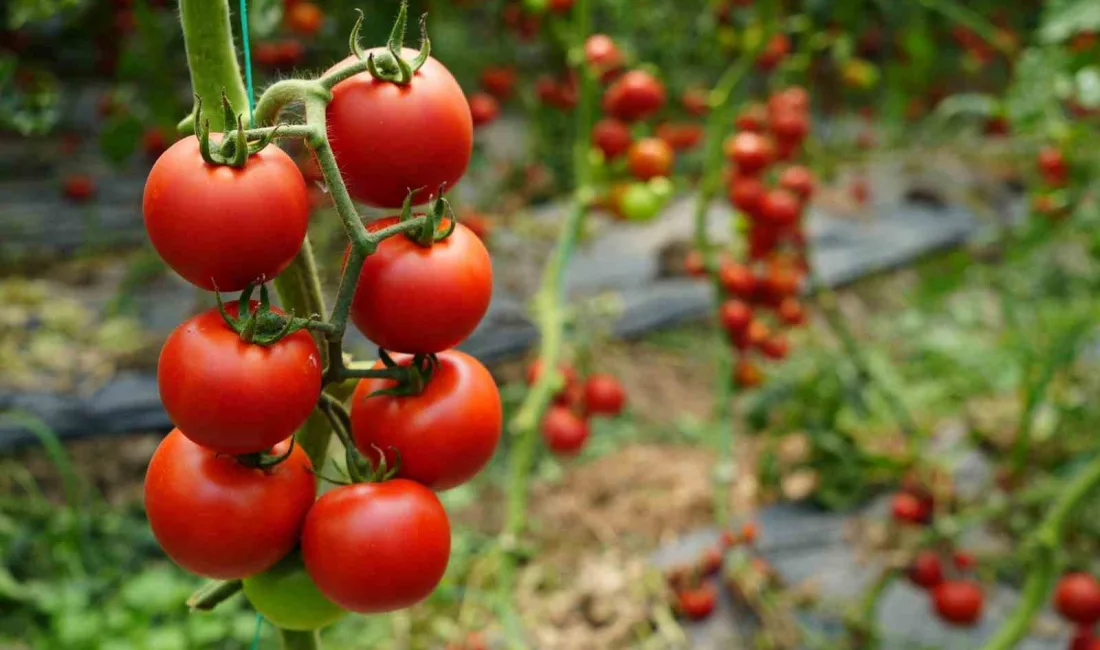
x=910 y=509
x=780 y=208
x=926 y=570
x=612 y=137
x=747 y=374
x=959 y=602
x=746 y=193
x=1077 y=598
x=291 y=52
x=735 y=316
x=304 y=18
x=694 y=101
x=563 y=430
x=775 y=347
x=749 y=532
x=602 y=54
x=680 y=136
x=287 y=598
x=793 y=98
x=154 y=142
x=1052 y=166
x=603 y=395
x=634 y=96
x=390 y=138
x=694 y=264
x=751 y=152
x=377 y=547
x=217 y=518
x=234 y=397
x=423 y=299
x=78 y=187
x=737 y=279
x=268 y=202
x=753 y=336
x=791 y=312
x=698 y=603
x=561 y=95
x=790 y=125
x=710 y=562
x=775 y=51
x=963 y=560
x=444 y=435
x=799 y=180
x=499 y=81
x=649 y=158
x=763 y=240
x=484 y=109
x=753 y=118
x=560 y=6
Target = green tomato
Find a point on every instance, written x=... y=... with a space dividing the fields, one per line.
x=285 y=595
x=661 y=187
x=639 y=203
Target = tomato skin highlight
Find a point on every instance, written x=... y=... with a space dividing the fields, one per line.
x=220 y=519
x=389 y=138
x=288 y=599
x=221 y=227
x=445 y=435
x=234 y=397
x=377 y=547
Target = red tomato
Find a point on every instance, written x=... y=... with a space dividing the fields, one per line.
x=1083 y=639
x=959 y=602
x=78 y=187
x=753 y=118
x=563 y=430
x=746 y=193
x=751 y=152
x=735 y=316
x=291 y=52
x=304 y=18
x=791 y=312
x=185 y=206
x=1052 y=166
x=780 y=207
x=711 y=560
x=534 y=371
x=153 y=142
x=266 y=54
x=775 y=347
x=793 y=98
x=560 y=6
x=612 y=137
x=377 y=547
x=680 y=137
x=649 y=158
x=484 y=109
x=634 y=96
x=763 y=240
x=775 y=51
x=910 y=509
x=695 y=102
x=737 y=279
x=423 y=299
x=698 y=603
x=603 y=395
x=1077 y=598
x=444 y=435
x=499 y=81
x=747 y=374
x=790 y=125
x=926 y=570
x=799 y=180
x=235 y=397
x=963 y=561
x=753 y=336
x=694 y=264
x=602 y=54
x=749 y=532
x=390 y=138
x=217 y=518
x=558 y=94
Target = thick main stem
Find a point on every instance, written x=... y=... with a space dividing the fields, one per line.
x=300 y=640
x=212 y=57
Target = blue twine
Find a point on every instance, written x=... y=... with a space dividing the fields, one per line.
x=259 y=628
x=247 y=58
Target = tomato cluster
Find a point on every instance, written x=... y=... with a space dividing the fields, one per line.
x=1077 y=600
x=228 y=493
x=565 y=424
x=956 y=600
x=693 y=588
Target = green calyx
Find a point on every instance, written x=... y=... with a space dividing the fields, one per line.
x=264 y=460
x=234 y=148
x=390 y=65
x=260 y=325
x=432 y=231
x=409 y=380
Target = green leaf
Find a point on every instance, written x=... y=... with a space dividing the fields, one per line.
x=1037 y=88
x=1064 y=18
x=120 y=137
x=21 y=12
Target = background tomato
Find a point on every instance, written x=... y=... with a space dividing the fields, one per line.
x=648 y=158
x=187 y=205
x=604 y=395
x=217 y=518
x=564 y=431
x=288 y=599
x=444 y=435
x=959 y=602
x=1077 y=598
x=390 y=138
x=377 y=547
x=423 y=299
x=234 y=397
x=612 y=137
x=639 y=202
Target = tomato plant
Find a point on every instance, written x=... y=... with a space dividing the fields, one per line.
x=287 y=597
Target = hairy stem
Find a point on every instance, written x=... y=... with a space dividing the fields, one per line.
x=212 y=57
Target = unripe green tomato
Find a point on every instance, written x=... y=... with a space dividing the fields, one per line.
x=661 y=187
x=639 y=203
x=286 y=596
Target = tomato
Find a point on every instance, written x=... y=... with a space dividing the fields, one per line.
x=444 y=435
x=288 y=599
x=266 y=54
x=534 y=371
x=695 y=102
x=694 y=264
x=910 y=509
x=737 y=279
x=602 y=54
x=612 y=137
x=959 y=602
x=304 y=18
x=235 y=397
x=484 y=109
x=639 y=202
x=751 y=152
x=777 y=49
x=1052 y=166
x=499 y=81
x=780 y=207
x=563 y=430
x=752 y=336
x=649 y=158
x=698 y=603
x=763 y=240
x=389 y=138
x=926 y=571
x=217 y=518
x=634 y=96
x=1077 y=598
x=963 y=560
x=793 y=98
x=859 y=190
x=680 y=137
x=791 y=312
x=746 y=193
x=753 y=118
x=747 y=374
x=775 y=347
x=710 y=562
x=153 y=142
x=291 y=52
x=185 y=206
x=78 y=187
x=423 y=299
x=749 y=532
x=560 y=6
x=377 y=547
x=603 y=395
x=789 y=125
x=735 y=316
x=558 y=94
x=799 y=180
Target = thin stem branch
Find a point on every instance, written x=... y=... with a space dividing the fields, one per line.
x=213 y=594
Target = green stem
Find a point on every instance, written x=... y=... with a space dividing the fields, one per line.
x=968 y=18
x=300 y=640
x=1043 y=570
x=213 y=594
x=212 y=57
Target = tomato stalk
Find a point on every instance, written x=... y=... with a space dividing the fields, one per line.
x=211 y=57
x=213 y=594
